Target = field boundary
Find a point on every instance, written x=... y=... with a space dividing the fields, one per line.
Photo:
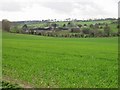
x=15 y=81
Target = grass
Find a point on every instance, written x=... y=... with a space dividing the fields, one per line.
x=61 y=62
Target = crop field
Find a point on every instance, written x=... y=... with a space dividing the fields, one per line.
x=40 y=61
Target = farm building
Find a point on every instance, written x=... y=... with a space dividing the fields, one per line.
x=36 y=30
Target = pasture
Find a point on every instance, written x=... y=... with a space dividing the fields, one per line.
x=40 y=61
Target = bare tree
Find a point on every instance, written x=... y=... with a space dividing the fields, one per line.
x=5 y=25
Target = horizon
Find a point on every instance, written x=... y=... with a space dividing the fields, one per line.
x=63 y=20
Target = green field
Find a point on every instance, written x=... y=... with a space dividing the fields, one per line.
x=60 y=62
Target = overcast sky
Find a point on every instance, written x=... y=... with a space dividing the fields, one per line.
x=57 y=9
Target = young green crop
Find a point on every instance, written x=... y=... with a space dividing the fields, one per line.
x=61 y=62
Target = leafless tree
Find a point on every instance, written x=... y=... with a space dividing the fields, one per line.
x=5 y=25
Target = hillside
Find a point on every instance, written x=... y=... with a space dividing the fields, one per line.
x=90 y=28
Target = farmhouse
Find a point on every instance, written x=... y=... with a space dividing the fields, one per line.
x=37 y=30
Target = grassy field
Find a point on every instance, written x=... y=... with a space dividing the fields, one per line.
x=60 y=62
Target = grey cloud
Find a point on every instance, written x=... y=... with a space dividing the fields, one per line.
x=68 y=7
x=59 y=7
x=10 y=6
x=14 y=6
x=90 y=8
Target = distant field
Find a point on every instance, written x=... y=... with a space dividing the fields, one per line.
x=113 y=27
x=60 y=62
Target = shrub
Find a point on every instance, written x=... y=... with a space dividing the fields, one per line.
x=106 y=30
x=15 y=29
x=79 y=25
x=91 y=26
x=85 y=24
x=86 y=30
